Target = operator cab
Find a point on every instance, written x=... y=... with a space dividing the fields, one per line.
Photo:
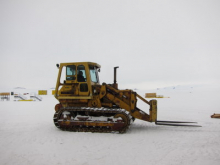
x=76 y=79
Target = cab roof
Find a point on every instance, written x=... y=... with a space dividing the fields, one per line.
x=82 y=63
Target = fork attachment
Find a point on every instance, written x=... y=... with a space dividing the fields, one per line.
x=176 y=123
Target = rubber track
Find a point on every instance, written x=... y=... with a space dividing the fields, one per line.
x=89 y=109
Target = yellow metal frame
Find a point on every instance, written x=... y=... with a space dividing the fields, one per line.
x=125 y=99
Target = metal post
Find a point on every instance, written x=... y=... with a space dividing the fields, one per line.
x=115 y=85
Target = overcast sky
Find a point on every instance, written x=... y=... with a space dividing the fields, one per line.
x=154 y=43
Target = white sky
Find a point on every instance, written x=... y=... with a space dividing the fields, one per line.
x=155 y=43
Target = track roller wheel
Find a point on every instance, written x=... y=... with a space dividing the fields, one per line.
x=66 y=117
x=122 y=118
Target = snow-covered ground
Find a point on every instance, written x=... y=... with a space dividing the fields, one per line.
x=29 y=137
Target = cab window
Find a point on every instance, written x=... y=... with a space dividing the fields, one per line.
x=81 y=74
x=70 y=72
x=93 y=74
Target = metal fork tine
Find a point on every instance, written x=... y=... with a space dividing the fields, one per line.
x=176 y=123
x=161 y=121
x=183 y=125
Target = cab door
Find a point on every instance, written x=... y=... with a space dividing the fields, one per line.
x=82 y=80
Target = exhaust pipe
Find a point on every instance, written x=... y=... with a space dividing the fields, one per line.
x=115 y=85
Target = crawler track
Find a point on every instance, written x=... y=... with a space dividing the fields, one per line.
x=86 y=119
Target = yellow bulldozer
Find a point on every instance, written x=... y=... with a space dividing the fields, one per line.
x=85 y=105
